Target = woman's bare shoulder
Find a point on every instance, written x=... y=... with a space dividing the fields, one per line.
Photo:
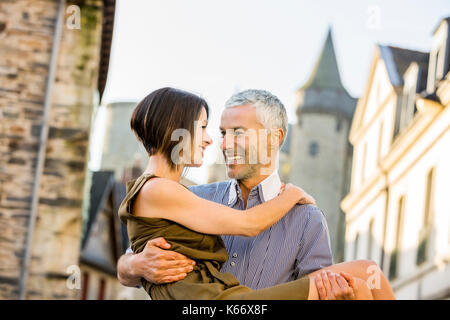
x=161 y=189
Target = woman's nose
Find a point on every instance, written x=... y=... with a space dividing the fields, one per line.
x=208 y=139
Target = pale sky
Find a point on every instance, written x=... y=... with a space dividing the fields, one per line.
x=214 y=48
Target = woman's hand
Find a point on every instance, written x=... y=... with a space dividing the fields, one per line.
x=334 y=286
x=304 y=198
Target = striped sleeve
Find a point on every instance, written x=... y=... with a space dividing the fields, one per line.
x=314 y=248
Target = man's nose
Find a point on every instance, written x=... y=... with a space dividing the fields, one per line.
x=227 y=142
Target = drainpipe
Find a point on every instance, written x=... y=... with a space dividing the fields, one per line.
x=42 y=149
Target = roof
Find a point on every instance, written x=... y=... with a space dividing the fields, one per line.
x=101 y=185
x=397 y=61
x=324 y=92
x=102 y=246
x=109 y=8
x=447 y=20
x=325 y=73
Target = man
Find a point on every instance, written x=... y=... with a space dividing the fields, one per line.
x=296 y=245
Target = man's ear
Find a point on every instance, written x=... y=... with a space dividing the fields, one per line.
x=277 y=135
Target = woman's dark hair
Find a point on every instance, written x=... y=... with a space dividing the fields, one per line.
x=160 y=113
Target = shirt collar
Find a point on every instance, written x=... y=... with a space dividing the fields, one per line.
x=269 y=187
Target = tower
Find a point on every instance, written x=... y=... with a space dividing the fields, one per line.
x=121 y=149
x=321 y=154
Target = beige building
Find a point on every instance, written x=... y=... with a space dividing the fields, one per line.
x=397 y=211
x=53 y=69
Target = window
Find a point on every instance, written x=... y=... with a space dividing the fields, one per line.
x=427 y=223
x=409 y=106
x=355 y=250
x=438 y=67
x=371 y=238
x=398 y=112
x=101 y=290
x=380 y=142
x=85 y=286
x=313 y=149
x=393 y=266
x=363 y=163
x=410 y=88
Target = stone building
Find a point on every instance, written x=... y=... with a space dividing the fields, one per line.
x=55 y=57
x=397 y=210
x=317 y=156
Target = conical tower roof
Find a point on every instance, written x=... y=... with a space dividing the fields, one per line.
x=324 y=92
x=325 y=73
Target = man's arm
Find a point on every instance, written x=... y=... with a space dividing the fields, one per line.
x=125 y=271
x=315 y=250
x=130 y=269
x=155 y=263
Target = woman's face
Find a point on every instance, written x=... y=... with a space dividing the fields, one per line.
x=201 y=139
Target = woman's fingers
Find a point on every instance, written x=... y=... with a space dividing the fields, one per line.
x=347 y=291
x=349 y=278
x=320 y=288
x=335 y=288
x=307 y=199
x=327 y=285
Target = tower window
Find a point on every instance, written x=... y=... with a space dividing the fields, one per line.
x=313 y=149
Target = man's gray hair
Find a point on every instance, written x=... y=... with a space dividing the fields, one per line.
x=270 y=111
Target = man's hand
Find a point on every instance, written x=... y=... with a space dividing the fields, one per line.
x=332 y=286
x=156 y=264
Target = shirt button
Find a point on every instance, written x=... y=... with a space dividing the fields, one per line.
x=235 y=255
x=233 y=263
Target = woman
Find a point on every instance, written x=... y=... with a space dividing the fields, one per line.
x=157 y=205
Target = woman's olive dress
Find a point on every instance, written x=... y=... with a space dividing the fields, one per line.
x=205 y=281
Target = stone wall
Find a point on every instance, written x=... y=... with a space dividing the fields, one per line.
x=26 y=39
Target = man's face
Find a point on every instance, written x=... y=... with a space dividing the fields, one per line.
x=242 y=133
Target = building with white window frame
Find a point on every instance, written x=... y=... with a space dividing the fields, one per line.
x=397 y=210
